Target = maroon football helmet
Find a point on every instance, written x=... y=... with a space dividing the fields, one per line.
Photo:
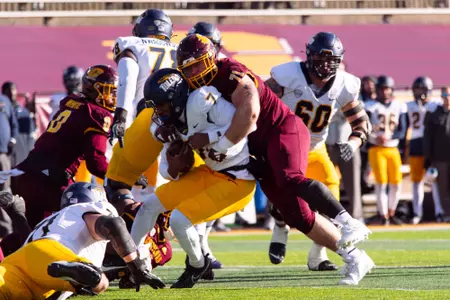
x=100 y=86
x=196 y=58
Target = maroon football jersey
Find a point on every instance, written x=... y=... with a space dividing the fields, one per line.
x=272 y=109
x=78 y=131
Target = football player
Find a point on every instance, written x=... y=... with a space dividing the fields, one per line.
x=65 y=251
x=138 y=56
x=417 y=109
x=221 y=186
x=280 y=142
x=315 y=90
x=79 y=130
x=72 y=80
x=204 y=229
x=388 y=118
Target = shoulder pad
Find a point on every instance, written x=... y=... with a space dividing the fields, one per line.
x=284 y=74
x=123 y=43
x=352 y=86
x=202 y=99
x=101 y=118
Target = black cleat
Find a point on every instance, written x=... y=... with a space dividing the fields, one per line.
x=396 y=221
x=277 y=252
x=78 y=273
x=209 y=274
x=192 y=275
x=325 y=265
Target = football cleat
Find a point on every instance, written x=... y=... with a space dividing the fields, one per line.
x=215 y=264
x=277 y=248
x=192 y=275
x=353 y=232
x=78 y=273
x=325 y=265
x=356 y=268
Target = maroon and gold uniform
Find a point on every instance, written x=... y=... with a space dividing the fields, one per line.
x=78 y=131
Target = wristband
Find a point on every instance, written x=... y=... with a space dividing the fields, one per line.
x=223 y=145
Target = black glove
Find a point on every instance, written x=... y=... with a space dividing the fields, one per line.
x=119 y=126
x=141 y=274
x=346 y=151
x=142 y=181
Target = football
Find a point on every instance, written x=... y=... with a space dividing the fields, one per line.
x=185 y=152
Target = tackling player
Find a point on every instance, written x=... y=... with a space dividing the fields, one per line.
x=78 y=131
x=417 y=109
x=280 y=142
x=388 y=118
x=221 y=186
x=315 y=90
x=65 y=250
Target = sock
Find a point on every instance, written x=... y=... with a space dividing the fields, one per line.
x=343 y=217
x=418 y=194
x=201 y=228
x=316 y=255
x=348 y=253
x=436 y=199
x=209 y=227
x=188 y=238
x=394 y=196
x=382 y=201
x=280 y=234
x=146 y=218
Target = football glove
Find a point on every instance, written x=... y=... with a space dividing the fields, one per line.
x=346 y=150
x=119 y=126
x=142 y=275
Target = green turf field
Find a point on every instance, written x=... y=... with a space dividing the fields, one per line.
x=410 y=265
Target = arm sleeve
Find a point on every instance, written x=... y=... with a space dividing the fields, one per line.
x=94 y=153
x=128 y=70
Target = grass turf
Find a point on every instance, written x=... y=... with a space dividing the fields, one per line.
x=410 y=265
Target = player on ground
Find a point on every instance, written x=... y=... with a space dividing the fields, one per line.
x=388 y=118
x=221 y=186
x=280 y=142
x=417 y=110
x=65 y=250
x=78 y=131
x=315 y=90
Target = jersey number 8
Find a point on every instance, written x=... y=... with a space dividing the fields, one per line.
x=321 y=116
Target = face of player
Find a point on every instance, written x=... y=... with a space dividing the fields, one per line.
x=420 y=93
x=107 y=95
x=384 y=93
x=163 y=112
x=194 y=70
x=326 y=65
x=368 y=86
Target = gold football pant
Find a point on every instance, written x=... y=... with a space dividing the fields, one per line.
x=321 y=168
x=23 y=274
x=386 y=163
x=204 y=195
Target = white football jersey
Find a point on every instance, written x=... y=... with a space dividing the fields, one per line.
x=316 y=112
x=416 y=116
x=68 y=228
x=385 y=120
x=151 y=54
x=208 y=112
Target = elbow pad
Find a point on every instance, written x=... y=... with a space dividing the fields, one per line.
x=115 y=230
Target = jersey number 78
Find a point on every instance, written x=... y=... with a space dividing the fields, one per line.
x=161 y=53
